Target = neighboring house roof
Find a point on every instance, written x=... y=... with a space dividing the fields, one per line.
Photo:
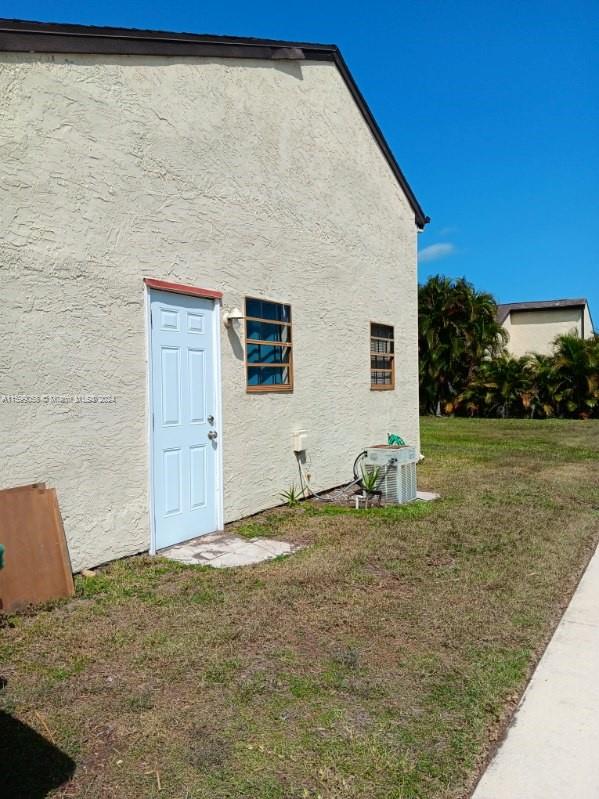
x=503 y=311
x=42 y=37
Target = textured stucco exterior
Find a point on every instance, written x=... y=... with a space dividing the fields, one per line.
x=535 y=330
x=588 y=330
x=248 y=177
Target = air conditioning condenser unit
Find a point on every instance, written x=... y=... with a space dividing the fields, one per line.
x=397 y=472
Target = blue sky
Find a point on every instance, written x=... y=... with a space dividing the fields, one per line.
x=492 y=110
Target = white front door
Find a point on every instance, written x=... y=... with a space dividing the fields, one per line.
x=184 y=405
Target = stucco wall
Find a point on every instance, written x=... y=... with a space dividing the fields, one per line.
x=247 y=177
x=535 y=331
x=588 y=323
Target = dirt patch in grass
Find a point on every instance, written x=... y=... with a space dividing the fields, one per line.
x=379 y=662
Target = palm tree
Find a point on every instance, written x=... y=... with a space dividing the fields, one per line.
x=576 y=376
x=542 y=377
x=502 y=387
x=464 y=367
x=457 y=331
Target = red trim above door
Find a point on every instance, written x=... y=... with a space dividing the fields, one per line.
x=180 y=288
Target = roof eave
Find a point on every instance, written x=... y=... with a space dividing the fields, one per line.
x=505 y=309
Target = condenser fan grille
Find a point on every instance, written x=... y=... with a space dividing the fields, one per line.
x=397 y=473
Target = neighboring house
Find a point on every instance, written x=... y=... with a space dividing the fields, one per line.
x=533 y=326
x=150 y=184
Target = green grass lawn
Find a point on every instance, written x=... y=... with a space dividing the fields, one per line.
x=380 y=661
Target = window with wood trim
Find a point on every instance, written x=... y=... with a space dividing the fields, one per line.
x=382 y=357
x=268 y=346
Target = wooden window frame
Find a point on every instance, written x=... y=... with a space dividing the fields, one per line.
x=382 y=386
x=278 y=389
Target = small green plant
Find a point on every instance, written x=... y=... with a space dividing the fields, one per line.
x=292 y=496
x=369 y=483
x=370 y=479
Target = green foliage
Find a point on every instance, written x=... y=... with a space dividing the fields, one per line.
x=501 y=387
x=292 y=496
x=564 y=384
x=575 y=376
x=457 y=330
x=465 y=369
x=370 y=479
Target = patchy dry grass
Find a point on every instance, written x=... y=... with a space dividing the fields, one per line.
x=378 y=663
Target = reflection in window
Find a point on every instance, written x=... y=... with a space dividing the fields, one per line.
x=382 y=356
x=268 y=346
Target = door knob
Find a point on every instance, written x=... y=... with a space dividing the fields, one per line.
x=212 y=435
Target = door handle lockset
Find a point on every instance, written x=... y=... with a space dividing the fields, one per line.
x=212 y=435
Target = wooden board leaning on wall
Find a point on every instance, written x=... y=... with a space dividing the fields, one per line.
x=37 y=566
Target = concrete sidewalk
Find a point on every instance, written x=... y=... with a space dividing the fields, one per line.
x=552 y=747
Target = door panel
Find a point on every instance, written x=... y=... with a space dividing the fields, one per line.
x=197 y=385
x=197 y=476
x=183 y=396
x=171 y=477
x=171 y=384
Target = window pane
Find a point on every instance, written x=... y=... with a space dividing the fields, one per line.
x=382 y=331
x=266 y=331
x=268 y=341
x=380 y=378
x=381 y=362
x=379 y=345
x=262 y=353
x=268 y=310
x=382 y=349
x=268 y=376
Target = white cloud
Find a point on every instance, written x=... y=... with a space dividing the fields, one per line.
x=435 y=251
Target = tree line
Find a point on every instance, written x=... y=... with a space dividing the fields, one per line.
x=465 y=368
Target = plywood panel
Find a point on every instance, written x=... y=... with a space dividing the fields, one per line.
x=37 y=566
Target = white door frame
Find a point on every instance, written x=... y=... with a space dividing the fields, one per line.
x=219 y=477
